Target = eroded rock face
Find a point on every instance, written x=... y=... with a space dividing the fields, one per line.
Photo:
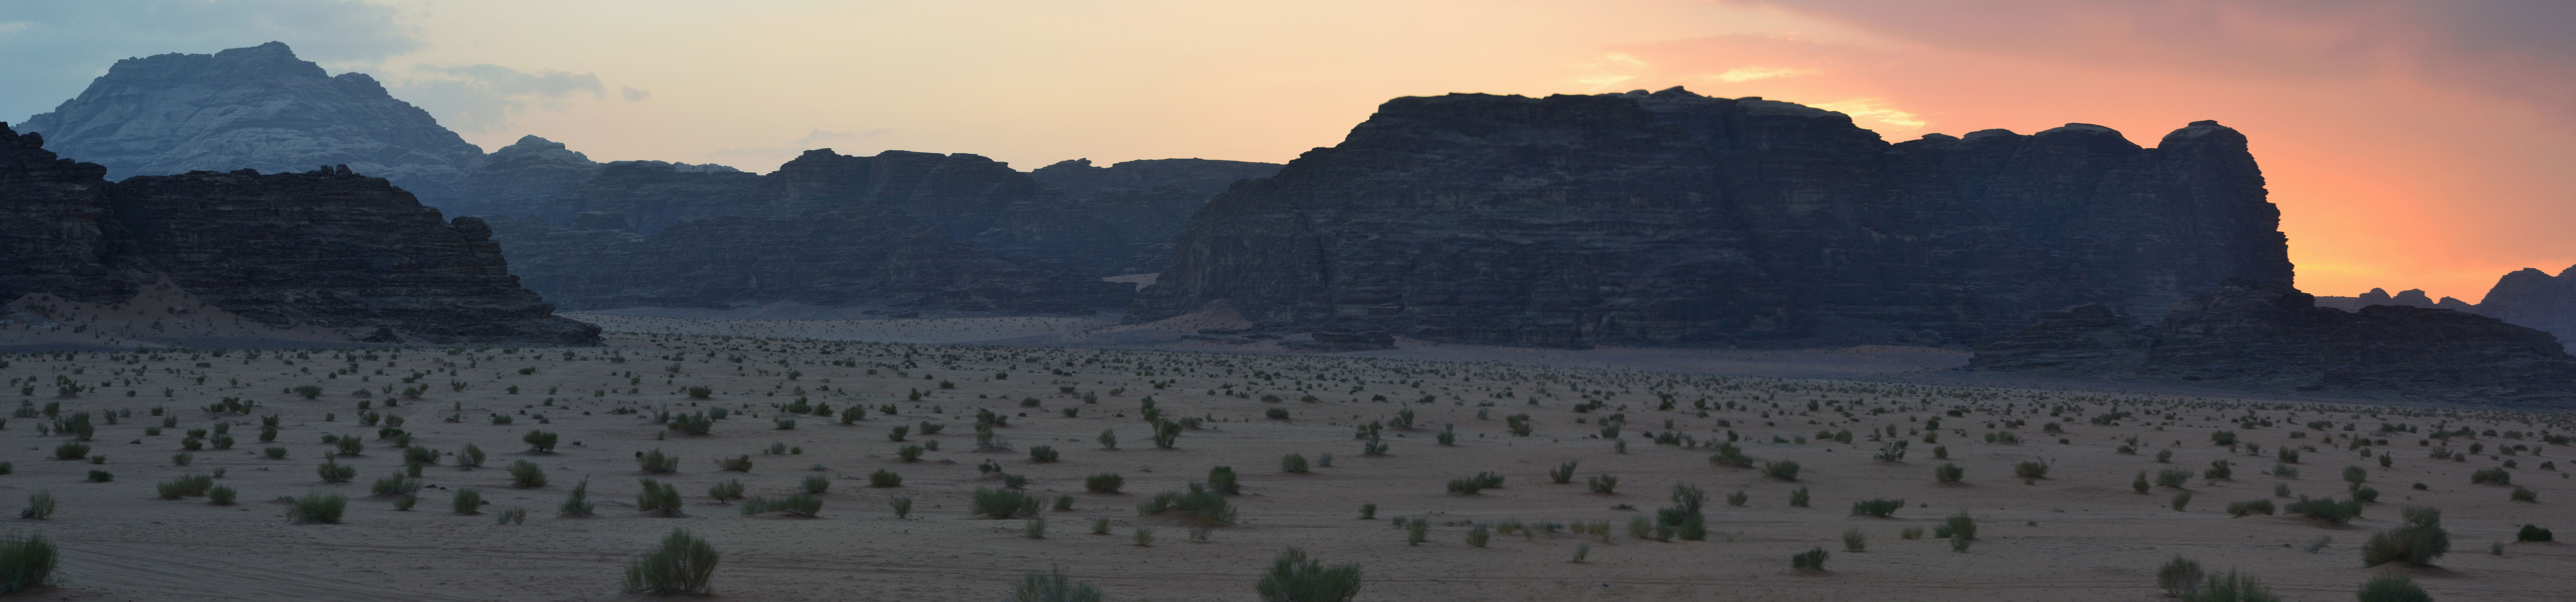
x=1672 y=218
x=258 y=108
x=2534 y=298
x=325 y=248
x=2273 y=337
x=1146 y=201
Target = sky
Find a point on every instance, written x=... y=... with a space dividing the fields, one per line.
x=2409 y=144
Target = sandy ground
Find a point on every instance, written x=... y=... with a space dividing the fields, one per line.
x=2079 y=534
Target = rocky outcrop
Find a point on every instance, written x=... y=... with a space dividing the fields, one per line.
x=827 y=259
x=523 y=178
x=1146 y=201
x=1676 y=219
x=2408 y=298
x=2534 y=298
x=325 y=248
x=2273 y=337
x=257 y=108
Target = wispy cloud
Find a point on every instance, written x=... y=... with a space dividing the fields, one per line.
x=1746 y=74
x=1871 y=109
x=633 y=94
x=481 y=97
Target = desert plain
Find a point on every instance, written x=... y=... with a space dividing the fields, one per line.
x=2079 y=531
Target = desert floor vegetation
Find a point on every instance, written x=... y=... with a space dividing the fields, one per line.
x=1494 y=473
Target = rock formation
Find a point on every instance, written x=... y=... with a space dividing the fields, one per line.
x=1672 y=218
x=2534 y=298
x=257 y=108
x=325 y=248
x=2408 y=298
x=1147 y=201
x=2273 y=337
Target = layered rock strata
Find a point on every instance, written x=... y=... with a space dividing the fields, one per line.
x=325 y=248
x=1676 y=219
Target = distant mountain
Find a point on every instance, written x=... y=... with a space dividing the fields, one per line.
x=258 y=108
x=2409 y=298
x=1148 y=200
x=1671 y=218
x=2526 y=297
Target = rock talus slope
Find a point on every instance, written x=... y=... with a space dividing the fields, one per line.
x=1672 y=218
x=325 y=248
x=258 y=108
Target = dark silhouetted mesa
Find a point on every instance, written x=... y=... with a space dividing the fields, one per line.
x=258 y=108
x=1671 y=218
x=323 y=248
x=2272 y=337
x=2536 y=299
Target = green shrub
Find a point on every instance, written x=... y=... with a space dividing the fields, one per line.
x=2491 y=475
x=1293 y=463
x=816 y=483
x=739 y=463
x=1786 y=470
x=2173 y=477
x=681 y=565
x=1948 y=473
x=902 y=506
x=578 y=503
x=541 y=441
x=274 y=453
x=40 y=506
x=466 y=501
x=2030 y=472
x=1562 y=474
x=2181 y=499
x=394 y=484
x=884 y=478
x=1602 y=484
x=1478 y=535
x=1107 y=482
x=1042 y=453
x=1798 y=498
x=2240 y=509
x=2522 y=494
x=2326 y=509
x=324 y=508
x=27 y=564
x=2231 y=587
x=658 y=463
x=798 y=504
x=2366 y=494
x=1879 y=508
x=2178 y=576
x=2392 y=588
x=1045 y=587
x=1810 y=560
x=71 y=451
x=221 y=496
x=2533 y=533
x=1295 y=578
x=525 y=474
x=1854 y=541
x=1001 y=504
x=730 y=489
x=2417 y=543
x=470 y=456
x=658 y=498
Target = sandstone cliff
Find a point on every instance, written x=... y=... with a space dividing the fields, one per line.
x=325 y=248
x=2272 y=337
x=258 y=108
x=2534 y=298
x=1672 y=218
x=1147 y=201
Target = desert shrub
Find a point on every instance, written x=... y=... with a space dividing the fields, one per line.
x=657 y=462
x=71 y=451
x=1812 y=560
x=1786 y=470
x=1222 y=480
x=395 y=484
x=1910 y=533
x=730 y=489
x=1292 y=463
x=1415 y=531
x=578 y=503
x=27 y=564
x=40 y=506
x=1015 y=481
x=467 y=501
x=901 y=505
x=2030 y=472
x=2491 y=475
x=2285 y=471
x=1042 y=453
x=2173 y=477
x=2392 y=588
x=2288 y=455
x=798 y=504
x=2181 y=499
x=1730 y=455
x=908 y=453
x=1879 y=508
x=2219 y=469
x=1959 y=527
x=1948 y=473
x=2522 y=494
x=2533 y=533
x=1478 y=535
x=2223 y=437
x=2231 y=587
x=274 y=453
x=2355 y=475
x=1602 y=484
x=471 y=456
x=1854 y=541
x=1001 y=504
x=658 y=498
x=692 y=424
x=738 y=463
x=1055 y=587
x=349 y=446
x=2326 y=509
x=335 y=472
x=1107 y=482
x=2178 y=576
x=1798 y=498
x=884 y=478
x=324 y=508
x=420 y=455
x=2417 y=543
x=541 y=441
x=525 y=474
x=815 y=483
x=682 y=564
x=1295 y=578
x=1562 y=474
x=2240 y=509
x=2366 y=494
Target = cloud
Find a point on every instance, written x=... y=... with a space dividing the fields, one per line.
x=481 y=97
x=55 y=48
x=1871 y=109
x=633 y=94
x=1746 y=74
